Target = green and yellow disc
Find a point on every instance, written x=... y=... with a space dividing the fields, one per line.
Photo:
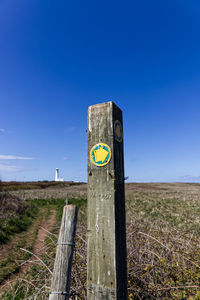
x=100 y=154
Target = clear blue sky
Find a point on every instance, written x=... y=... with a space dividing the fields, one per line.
x=59 y=57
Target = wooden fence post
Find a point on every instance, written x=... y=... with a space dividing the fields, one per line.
x=60 y=285
x=106 y=248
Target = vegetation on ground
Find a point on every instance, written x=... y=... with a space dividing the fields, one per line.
x=16 y=215
x=20 y=225
x=163 y=246
x=163 y=232
x=36 y=283
x=17 y=186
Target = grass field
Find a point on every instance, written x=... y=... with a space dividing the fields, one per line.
x=163 y=232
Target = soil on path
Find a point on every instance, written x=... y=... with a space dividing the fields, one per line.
x=38 y=250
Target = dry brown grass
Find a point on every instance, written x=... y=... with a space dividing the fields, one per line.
x=162 y=240
x=10 y=204
x=32 y=185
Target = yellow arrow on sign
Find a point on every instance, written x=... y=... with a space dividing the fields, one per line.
x=100 y=154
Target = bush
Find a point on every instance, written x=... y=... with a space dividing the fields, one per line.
x=16 y=215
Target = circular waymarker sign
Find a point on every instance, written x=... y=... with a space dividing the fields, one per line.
x=100 y=154
x=118 y=131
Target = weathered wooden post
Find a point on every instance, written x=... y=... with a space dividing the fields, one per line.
x=106 y=248
x=60 y=285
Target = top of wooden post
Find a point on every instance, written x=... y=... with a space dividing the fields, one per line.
x=101 y=105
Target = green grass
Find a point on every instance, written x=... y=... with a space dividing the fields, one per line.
x=37 y=208
x=164 y=251
x=166 y=212
x=16 y=223
x=163 y=231
x=13 y=224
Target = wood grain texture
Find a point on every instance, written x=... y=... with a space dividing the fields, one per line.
x=64 y=254
x=106 y=249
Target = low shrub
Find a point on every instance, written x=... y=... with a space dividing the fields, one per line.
x=16 y=215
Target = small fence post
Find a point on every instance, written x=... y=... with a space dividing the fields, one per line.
x=106 y=247
x=60 y=285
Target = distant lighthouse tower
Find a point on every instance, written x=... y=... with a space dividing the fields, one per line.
x=57 y=176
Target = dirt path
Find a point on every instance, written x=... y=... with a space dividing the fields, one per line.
x=38 y=250
x=39 y=245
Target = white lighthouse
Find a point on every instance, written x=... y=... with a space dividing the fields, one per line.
x=57 y=176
